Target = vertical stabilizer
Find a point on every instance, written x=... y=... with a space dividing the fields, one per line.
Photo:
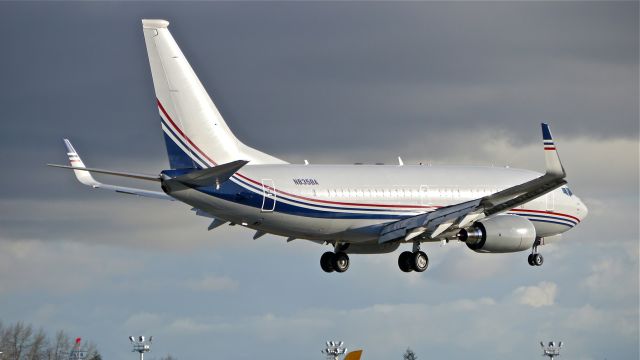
x=195 y=132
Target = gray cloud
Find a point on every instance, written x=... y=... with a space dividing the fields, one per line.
x=329 y=82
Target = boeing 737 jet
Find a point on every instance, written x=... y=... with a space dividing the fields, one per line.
x=357 y=209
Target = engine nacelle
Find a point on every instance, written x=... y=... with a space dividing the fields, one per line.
x=499 y=234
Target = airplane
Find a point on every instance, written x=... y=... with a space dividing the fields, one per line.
x=357 y=209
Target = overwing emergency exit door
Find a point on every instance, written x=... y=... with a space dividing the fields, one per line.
x=268 y=195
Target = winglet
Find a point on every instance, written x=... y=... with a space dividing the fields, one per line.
x=75 y=161
x=554 y=166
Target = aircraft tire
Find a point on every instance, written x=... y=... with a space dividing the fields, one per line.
x=530 y=260
x=326 y=261
x=340 y=262
x=419 y=261
x=404 y=261
x=537 y=259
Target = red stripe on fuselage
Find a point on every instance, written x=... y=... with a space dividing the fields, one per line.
x=183 y=134
x=545 y=212
x=200 y=152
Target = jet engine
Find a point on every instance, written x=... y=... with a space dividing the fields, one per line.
x=499 y=234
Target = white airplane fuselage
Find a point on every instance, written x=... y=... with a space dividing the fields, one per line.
x=349 y=203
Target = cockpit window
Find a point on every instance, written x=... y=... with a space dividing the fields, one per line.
x=567 y=191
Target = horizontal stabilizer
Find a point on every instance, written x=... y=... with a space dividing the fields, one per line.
x=211 y=176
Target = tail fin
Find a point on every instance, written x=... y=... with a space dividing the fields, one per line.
x=195 y=132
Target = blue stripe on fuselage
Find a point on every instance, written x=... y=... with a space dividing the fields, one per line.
x=529 y=215
x=259 y=190
x=551 y=222
x=178 y=159
x=178 y=150
x=233 y=192
x=230 y=191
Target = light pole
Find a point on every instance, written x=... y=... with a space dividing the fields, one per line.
x=140 y=345
x=334 y=349
x=551 y=350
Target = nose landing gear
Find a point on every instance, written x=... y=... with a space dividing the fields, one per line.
x=534 y=258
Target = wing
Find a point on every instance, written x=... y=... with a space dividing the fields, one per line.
x=458 y=216
x=83 y=174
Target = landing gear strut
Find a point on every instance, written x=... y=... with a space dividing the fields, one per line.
x=534 y=258
x=416 y=260
x=334 y=261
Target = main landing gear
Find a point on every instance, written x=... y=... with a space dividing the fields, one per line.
x=334 y=261
x=535 y=259
x=415 y=260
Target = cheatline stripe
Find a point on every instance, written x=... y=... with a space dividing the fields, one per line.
x=199 y=156
x=543 y=217
x=181 y=145
x=547 y=219
x=174 y=137
x=550 y=222
x=197 y=151
x=546 y=213
x=259 y=191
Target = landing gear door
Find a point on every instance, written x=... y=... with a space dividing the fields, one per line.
x=268 y=195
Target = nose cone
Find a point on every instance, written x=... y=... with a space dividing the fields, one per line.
x=582 y=210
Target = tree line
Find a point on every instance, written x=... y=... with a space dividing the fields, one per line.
x=23 y=342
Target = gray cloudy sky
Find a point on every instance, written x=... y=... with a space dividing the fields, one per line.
x=462 y=82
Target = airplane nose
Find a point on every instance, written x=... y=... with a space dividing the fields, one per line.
x=582 y=210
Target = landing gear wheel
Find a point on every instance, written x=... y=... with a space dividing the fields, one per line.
x=326 y=261
x=530 y=260
x=404 y=261
x=420 y=261
x=340 y=262
x=537 y=259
